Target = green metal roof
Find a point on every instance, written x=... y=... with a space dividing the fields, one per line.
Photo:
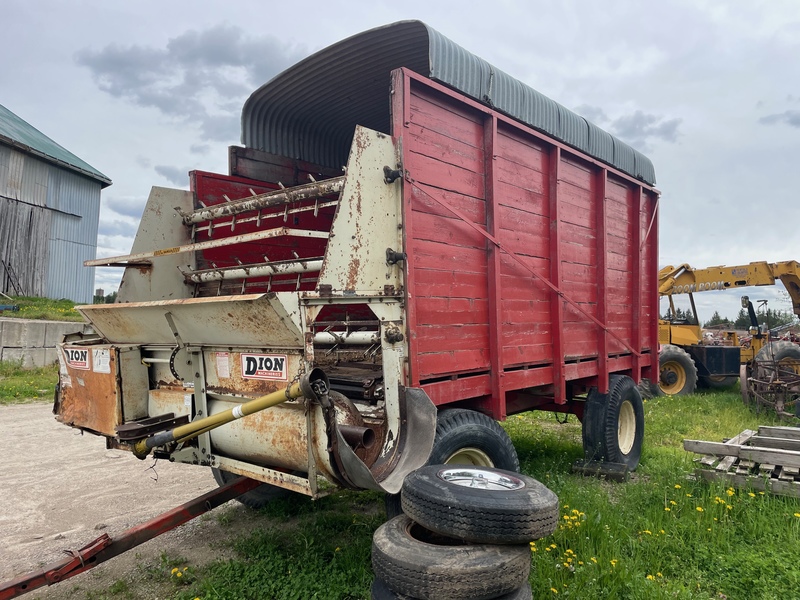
x=20 y=134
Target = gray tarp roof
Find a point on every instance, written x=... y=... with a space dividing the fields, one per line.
x=310 y=110
x=20 y=134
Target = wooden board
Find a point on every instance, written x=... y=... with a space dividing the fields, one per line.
x=768 y=461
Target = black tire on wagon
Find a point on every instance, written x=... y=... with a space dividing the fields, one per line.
x=613 y=423
x=465 y=437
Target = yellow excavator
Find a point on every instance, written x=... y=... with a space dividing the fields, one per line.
x=686 y=359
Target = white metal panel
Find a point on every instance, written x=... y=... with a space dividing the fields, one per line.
x=253 y=320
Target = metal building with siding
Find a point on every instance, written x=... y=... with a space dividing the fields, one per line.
x=49 y=214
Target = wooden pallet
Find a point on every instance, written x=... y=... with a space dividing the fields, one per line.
x=768 y=461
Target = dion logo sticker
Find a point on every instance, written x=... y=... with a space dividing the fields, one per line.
x=264 y=366
x=77 y=358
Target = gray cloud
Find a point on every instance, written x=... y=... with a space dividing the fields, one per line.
x=117 y=228
x=199 y=77
x=200 y=149
x=594 y=113
x=789 y=117
x=636 y=129
x=174 y=174
x=126 y=206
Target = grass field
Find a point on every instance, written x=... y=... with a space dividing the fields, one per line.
x=660 y=535
x=19 y=385
x=41 y=309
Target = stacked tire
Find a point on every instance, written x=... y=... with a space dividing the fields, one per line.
x=465 y=535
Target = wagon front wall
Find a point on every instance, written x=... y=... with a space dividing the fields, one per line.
x=531 y=267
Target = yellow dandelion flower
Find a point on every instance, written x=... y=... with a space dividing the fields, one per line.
x=651 y=577
x=699 y=509
x=677 y=486
x=668 y=509
x=613 y=562
x=178 y=574
x=580 y=562
x=662 y=532
x=797 y=515
x=554 y=590
x=659 y=575
x=729 y=491
x=175 y=570
x=594 y=560
x=751 y=494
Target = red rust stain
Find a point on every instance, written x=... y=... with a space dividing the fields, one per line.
x=91 y=401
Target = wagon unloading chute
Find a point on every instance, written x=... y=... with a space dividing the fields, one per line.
x=205 y=356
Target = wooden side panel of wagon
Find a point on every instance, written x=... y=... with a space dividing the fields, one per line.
x=530 y=265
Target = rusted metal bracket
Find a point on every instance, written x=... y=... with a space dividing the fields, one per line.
x=105 y=547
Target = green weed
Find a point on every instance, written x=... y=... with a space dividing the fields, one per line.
x=660 y=535
x=18 y=385
x=42 y=309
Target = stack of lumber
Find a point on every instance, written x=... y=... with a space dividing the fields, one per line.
x=767 y=461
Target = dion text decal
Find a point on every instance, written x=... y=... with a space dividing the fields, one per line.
x=77 y=358
x=264 y=366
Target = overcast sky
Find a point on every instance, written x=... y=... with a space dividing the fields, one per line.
x=146 y=91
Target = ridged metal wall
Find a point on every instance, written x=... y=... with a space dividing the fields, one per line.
x=310 y=110
x=48 y=227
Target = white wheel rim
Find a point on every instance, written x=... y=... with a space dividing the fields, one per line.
x=480 y=479
x=626 y=430
x=469 y=456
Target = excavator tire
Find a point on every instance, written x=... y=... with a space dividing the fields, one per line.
x=717 y=382
x=678 y=373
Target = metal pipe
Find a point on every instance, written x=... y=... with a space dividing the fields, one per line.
x=354 y=337
x=357 y=436
x=310 y=385
x=286 y=268
x=227 y=241
x=287 y=196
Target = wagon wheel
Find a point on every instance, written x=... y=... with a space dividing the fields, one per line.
x=465 y=437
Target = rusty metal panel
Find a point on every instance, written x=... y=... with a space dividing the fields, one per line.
x=227 y=373
x=176 y=401
x=161 y=227
x=367 y=220
x=249 y=320
x=88 y=394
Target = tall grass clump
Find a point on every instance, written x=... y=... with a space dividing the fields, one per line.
x=42 y=309
x=662 y=534
x=18 y=385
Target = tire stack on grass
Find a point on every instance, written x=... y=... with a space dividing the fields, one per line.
x=465 y=535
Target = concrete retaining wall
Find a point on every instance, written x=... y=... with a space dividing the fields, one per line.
x=34 y=341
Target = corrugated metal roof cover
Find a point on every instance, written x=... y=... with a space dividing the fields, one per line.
x=311 y=109
x=20 y=134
